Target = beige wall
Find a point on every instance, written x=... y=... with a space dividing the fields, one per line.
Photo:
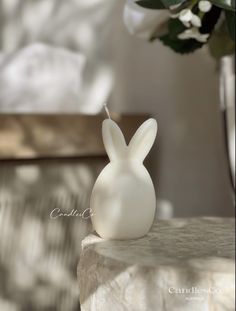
x=189 y=167
x=182 y=93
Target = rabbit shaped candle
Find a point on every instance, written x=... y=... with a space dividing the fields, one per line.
x=123 y=200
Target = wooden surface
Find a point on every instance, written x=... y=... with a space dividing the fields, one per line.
x=49 y=136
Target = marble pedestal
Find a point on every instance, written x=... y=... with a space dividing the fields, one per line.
x=181 y=265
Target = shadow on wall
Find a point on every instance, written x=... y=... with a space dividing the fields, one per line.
x=53 y=55
x=38 y=252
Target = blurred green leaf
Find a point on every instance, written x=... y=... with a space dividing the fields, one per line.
x=225 y=4
x=175 y=27
x=230 y=20
x=158 y=4
x=168 y=3
x=151 y=4
x=181 y=46
x=220 y=43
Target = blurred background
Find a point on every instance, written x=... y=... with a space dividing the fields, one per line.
x=69 y=57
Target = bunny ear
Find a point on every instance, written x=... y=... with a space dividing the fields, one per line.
x=113 y=140
x=143 y=139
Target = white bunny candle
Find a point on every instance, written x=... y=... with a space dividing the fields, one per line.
x=123 y=199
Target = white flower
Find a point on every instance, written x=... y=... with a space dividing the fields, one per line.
x=196 y=21
x=204 y=6
x=193 y=33
x=187 y=17
x=140 y=21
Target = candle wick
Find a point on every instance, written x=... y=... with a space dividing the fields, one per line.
x=107 y=111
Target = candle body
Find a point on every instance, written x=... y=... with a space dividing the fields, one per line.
x=123 y=200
